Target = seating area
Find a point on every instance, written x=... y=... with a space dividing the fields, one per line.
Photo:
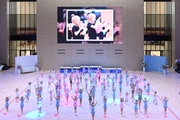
x=27 y=69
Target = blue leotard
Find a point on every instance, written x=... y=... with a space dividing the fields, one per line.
x=92 y=110
x=114 y=93
x=93 y=92
x=67 y=95
x=57 y=102
x=136 y=106
x=121 y=79
x=7 y=103
x=145 y=105
x=165 y=104
x=140 y=96
x=105 y=105
x=92 y=74
x=80 y=95
x=22 y=103
x=27 y=94
x=148 y=89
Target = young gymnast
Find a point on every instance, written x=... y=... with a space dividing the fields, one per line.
x=71 y=79
x=75 y=98
x=122 y=106
x=29 y=85
x=127 y=98
x=96 y=79
x=132 y=91
x=37 y=83
x=40 y=90
x=28 y=92
x=58 y=92
x=22 y=104
x=148 y=88
x=93 y=109
x=40 y=104
x=105 y=105
x=49 y=81
x=76 y=77
x=37 y=93
x=114 y=95
x=139 y=92
x=90 y=97
x=145 y=106
x=86 y=82
x=57 y=102
x=135 y=107
x=120 y=88
x=99 y=75
x=93 y=92
x=136 y=84
x=80 y=96
x=165 y=101
x=107 y=79
x=65 y=72
x=140 y=77
x=7 y=103
x=116 y=75
x=133 y=73
x=120 y=78
x=155 y=98
x=113 y=81
x=104 y=91
x=131 y=81
x=65 y=85
x=17 y=95
x=41 y=72
x=144 y=83
x=41 y=84
x=102 y=88
x=127 y=80
x=67 y=95
x=80 y=77
x=50 y=95
x=127 y=77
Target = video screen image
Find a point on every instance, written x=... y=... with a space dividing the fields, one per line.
x=89 y=25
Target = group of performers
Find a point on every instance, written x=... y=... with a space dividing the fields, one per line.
x=88 y=81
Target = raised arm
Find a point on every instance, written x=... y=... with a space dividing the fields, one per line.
x=72 y=97
x=55 y=97
x=61 y=96
x=87 y=92
x=149 y=99
x=95 y=103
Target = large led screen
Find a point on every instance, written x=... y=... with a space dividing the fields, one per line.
x=89 y=25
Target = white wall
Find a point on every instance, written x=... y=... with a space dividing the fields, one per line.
x=131 y=49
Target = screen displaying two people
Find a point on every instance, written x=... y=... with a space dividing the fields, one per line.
x=89 y=25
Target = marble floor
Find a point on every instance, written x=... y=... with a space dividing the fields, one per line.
x=166 y=85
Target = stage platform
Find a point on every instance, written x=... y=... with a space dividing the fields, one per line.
x=92 y=68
